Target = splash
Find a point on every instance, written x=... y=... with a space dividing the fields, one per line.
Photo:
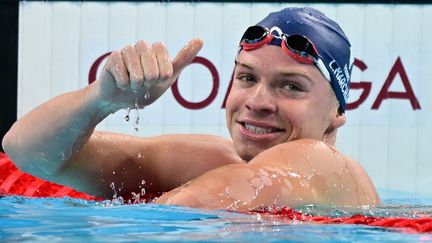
x=112 y=185
x=115 y=199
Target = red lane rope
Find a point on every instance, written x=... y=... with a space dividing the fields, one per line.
x=15 y=182
x=408 y=225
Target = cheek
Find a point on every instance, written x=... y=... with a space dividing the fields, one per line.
x=231 y=105
x=326 y=109
x=306 y=118
x=298 y=113
x=234 y=100
x=320 y=116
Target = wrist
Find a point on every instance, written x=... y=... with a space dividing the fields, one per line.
x=100 y=106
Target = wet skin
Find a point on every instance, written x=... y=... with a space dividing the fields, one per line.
x=275 y=99
x=282 y=116
x=279 y=113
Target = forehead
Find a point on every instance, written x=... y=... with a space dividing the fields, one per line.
x=272 y=60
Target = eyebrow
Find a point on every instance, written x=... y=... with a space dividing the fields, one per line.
x=283 y=73
x=245 y=65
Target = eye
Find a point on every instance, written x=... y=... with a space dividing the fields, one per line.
x=291 y=86
x=246 y=78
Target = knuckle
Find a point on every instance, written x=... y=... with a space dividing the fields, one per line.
x=152 y=75
x=166 y=74
x=141 y=45
x=139 y=78
x=113 y=60
x=158 y=45
x=128 y=49
x=115 y=53
x=114 y=56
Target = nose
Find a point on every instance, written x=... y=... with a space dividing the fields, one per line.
x=261 y=100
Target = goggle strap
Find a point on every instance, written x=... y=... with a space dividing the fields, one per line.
x=320 y=64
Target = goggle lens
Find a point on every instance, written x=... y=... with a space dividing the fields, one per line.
x=300 y=46
x=254 y=34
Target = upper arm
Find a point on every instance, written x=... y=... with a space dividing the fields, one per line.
x=292 y=174
x=244 y=187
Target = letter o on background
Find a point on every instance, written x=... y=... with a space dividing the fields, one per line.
x=202 y=104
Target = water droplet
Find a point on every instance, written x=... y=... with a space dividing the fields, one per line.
x=143 y=182
x=147 y=96
x=143 y=191
x=113 y=172
x=127 y=114
x=138 y=117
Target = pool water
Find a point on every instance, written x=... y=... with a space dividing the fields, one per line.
x=71 y=220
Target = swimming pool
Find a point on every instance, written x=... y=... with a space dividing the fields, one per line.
x=74 y=220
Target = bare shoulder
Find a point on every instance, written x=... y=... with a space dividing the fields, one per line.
x=292 y=174
x=331 y=176
x=295 y=153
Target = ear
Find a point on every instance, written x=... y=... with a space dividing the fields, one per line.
x=337 y=121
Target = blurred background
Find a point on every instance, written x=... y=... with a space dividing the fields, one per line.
x=52 y=47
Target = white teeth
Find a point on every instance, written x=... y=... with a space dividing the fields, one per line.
x=259 y=130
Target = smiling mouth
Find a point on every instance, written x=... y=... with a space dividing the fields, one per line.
x=260 y=130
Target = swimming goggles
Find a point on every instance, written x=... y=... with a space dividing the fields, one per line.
x=296 y=46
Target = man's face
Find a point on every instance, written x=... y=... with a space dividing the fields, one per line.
x=275 y=99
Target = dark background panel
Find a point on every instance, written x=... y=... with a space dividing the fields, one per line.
x=8 y=64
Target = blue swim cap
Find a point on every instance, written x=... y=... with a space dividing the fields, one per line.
x=329 y=39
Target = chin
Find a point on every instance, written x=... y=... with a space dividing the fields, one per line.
x=247 y=157
x=248 y=154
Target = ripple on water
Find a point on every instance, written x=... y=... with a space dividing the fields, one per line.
x=48 y=219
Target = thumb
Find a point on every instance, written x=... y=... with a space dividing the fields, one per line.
x=186 y=55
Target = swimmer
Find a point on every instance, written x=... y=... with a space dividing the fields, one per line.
x=288 y=99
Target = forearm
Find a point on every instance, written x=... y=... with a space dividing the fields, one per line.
x=53 y=132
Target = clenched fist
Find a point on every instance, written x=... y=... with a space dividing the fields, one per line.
x=142 y=70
